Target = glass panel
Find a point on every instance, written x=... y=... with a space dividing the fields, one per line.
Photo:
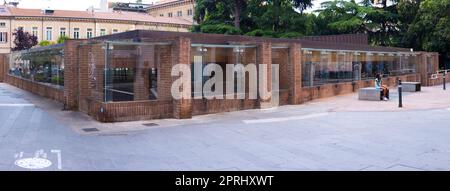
x=307 y=68
x=131 y=72
x=40 y=65
x=202 y=56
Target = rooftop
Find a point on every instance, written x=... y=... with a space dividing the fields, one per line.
x=163 y=3
x=121 y=16
x=201 y=38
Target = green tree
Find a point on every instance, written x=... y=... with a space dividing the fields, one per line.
x=430 y=28
x=62 y=39
x=270 y=18
x=23 y=40
x=46 y=43
x=343 y=17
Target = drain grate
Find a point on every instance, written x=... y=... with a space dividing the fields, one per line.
x=91 y=130
x=150 y=124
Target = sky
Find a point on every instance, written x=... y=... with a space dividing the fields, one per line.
x=84 y=4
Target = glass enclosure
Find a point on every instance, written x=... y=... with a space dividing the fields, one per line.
x=203 y=55
x=131 y=70
x=332 y=66
x=45 y=65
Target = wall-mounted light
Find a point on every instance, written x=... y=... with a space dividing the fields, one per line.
x=238 y=50
x=111 y=47
x=307 y=52
x=200 y=49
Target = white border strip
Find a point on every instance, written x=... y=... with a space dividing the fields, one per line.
x=16 y=105
x=281 y=119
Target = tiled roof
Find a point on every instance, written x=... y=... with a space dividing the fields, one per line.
x=165 y=1
x=122 y=16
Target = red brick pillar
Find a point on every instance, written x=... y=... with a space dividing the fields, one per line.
x=423 y=68
x=264 y=56
x=182 y=108
x=71 y=74
x=295 y=73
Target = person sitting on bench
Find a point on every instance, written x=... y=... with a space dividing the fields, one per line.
x=383 y=88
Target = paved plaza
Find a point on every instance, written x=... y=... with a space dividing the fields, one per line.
x=339 y=133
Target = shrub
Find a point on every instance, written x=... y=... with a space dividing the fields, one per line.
x=290 y=35
x=220 y=29
x=62 y=39
x=259 y=32
x=46 y=43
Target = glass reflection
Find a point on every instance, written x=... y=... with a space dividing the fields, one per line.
x=326 y=66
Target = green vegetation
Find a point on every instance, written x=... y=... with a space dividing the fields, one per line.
x=419 y=24
x=46 y=43
x=62 y=39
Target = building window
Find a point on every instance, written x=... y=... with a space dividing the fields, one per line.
x=62 y=31
x=161 y=15
x=3 y=37
x=2 y=25
x=76 y=33
x=170 y=15
x=102 y=32
x=48 y=33
x=189 y=12
x=35 y=31
x=114 y=31
x=179 y=13
x=89 y=33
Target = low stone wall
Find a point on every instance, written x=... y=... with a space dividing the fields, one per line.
x=438 y=81
x=41 y=89
x=204 y=106
x=330 y=90
x=130 y=111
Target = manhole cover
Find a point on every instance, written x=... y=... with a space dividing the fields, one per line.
x=150 y=124
x=91 y=130
x=33 y=163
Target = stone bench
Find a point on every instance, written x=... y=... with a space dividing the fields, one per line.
x=411 y=86
x=370 y=94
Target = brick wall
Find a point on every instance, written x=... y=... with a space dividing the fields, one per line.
x=423 y=69
x=181 y=51
x=71 y=56
x=130 y=111
x=362 y=39
x=295 y=73
x=264 y=56
x=41 y=89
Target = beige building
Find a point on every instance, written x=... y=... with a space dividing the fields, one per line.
x=49 y=25
x=174 y=9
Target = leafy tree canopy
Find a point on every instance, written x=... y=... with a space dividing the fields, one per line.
x=24 y=40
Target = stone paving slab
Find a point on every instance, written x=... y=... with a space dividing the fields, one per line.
x=328 y=134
